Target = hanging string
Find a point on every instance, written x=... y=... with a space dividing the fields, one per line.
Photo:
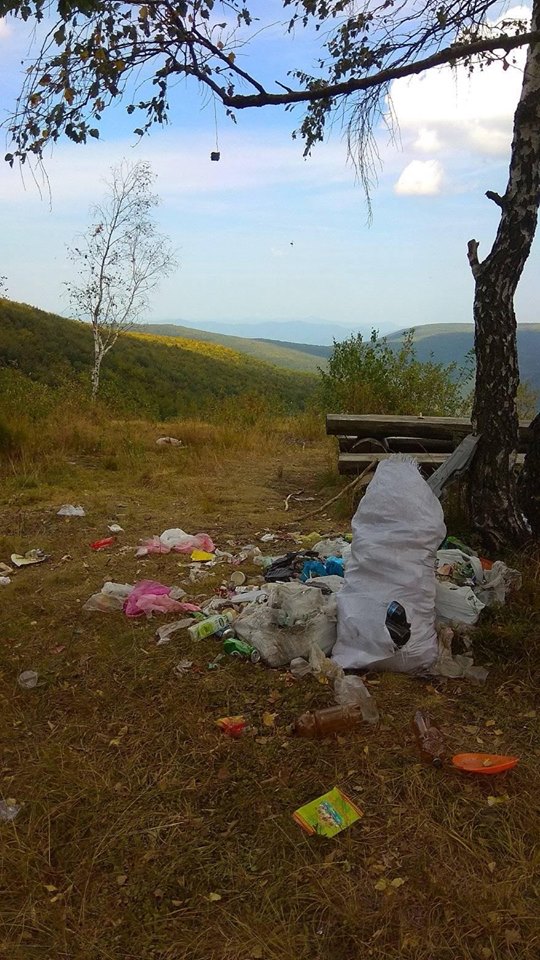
x=216 y=126
x=215 y=153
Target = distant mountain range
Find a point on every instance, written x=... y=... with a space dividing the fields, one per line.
x=311 y=330
x=445 y=342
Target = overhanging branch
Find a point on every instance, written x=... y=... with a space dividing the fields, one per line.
x=449 y=55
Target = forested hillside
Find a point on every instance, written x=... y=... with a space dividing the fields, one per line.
x=159 y=376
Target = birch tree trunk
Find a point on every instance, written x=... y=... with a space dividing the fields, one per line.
x=493 y=488
x=99 y=353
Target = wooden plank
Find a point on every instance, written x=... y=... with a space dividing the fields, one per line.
x=456 y=465
x=395 y=445
x=356 y=462
x=376 y=425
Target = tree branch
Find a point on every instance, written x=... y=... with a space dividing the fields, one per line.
x=496 y=197
x=449 y=55
x=472 y=256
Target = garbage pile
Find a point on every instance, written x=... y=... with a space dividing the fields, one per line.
x=401 y=597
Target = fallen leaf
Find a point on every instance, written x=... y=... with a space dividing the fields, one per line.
x=486 y=952
x=214 y=897
x=490 y=723
x=50 y=888
x=121 y=879
x=115 y=742
x=493 y=801
x=471 y=729
x=530 y=715
x=381 y=884
x=269 y=719
x=492 y=866
x=397 y=882
x=498 y=733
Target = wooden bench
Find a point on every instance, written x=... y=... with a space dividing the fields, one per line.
x=365 y=439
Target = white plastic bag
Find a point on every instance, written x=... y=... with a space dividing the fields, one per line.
x=396 y=531
x=457 y=604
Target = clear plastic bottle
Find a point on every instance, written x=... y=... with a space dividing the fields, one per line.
x=429 y=739
x=324 y=723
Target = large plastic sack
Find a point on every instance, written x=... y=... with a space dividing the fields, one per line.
x=177 y=540
x=149 y=596
x=296 y=618
x=396 y=531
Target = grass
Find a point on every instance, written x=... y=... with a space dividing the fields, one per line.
x=138 y=813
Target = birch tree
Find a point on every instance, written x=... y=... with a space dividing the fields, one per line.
x=97 y=50
x=119 y=259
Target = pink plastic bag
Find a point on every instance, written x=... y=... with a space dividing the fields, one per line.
x=149 y=596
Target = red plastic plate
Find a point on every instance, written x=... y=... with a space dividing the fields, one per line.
x=485 y=763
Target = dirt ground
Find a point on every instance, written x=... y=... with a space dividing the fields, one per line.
x=146 y=834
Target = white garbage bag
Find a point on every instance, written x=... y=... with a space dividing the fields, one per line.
x=455 y=604
x=296 y=618
x=396 y=531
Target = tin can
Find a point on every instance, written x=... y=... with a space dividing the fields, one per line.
x=237 y=648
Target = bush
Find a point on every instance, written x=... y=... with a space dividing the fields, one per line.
x=371 y=377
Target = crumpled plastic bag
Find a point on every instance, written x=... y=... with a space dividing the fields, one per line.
x=176 y=540
x=110 y=599
x=149 y=596
x=336 y=547
x=69 y=510
x=456 y=665
x=457 y=604
x=498 y=582
x=296 y=619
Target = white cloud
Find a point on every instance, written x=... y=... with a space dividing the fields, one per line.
x=421 y=178
x=448 y=110
x=5 y=29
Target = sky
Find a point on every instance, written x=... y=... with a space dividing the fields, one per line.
x=265 y=234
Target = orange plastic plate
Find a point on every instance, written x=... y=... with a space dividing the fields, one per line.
x=484 y=762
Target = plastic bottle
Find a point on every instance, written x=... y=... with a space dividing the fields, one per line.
x=429 y=739
x=350 y=691
x=212 y=625
x=323 y=723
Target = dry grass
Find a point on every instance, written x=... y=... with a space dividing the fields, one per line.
x=136 y=808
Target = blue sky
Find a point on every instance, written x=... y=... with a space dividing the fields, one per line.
x=233 y=222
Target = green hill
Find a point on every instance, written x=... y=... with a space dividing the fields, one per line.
x=158 y=376
x=289 y=356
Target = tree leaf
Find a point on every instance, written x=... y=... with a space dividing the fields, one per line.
x=214 y=897
x=269 y=719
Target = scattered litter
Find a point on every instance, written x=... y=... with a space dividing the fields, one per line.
x=9 y=810
x=183 y=667
x=215 y=663
x=5 y=570
x=149 y=596
x=173 y=441
x=103 y=543
x=4 y=581
x=484 y=763
x=110 y=599
x=68 y=510
x=232 y=726
x=350 y=691
x=300 y=668
x=238 y=648
x=207 y=628
x=176 y=540
x=237 y=578
x=459 y=664
x=115 y=528
x=457 y=604
x=165 y=633
x=429 y=739
x=328 y=815
x=268 y=537
x=31 y=556
x=28 y=679
x=329 y=721
x=202 y=556
x=338 y=547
